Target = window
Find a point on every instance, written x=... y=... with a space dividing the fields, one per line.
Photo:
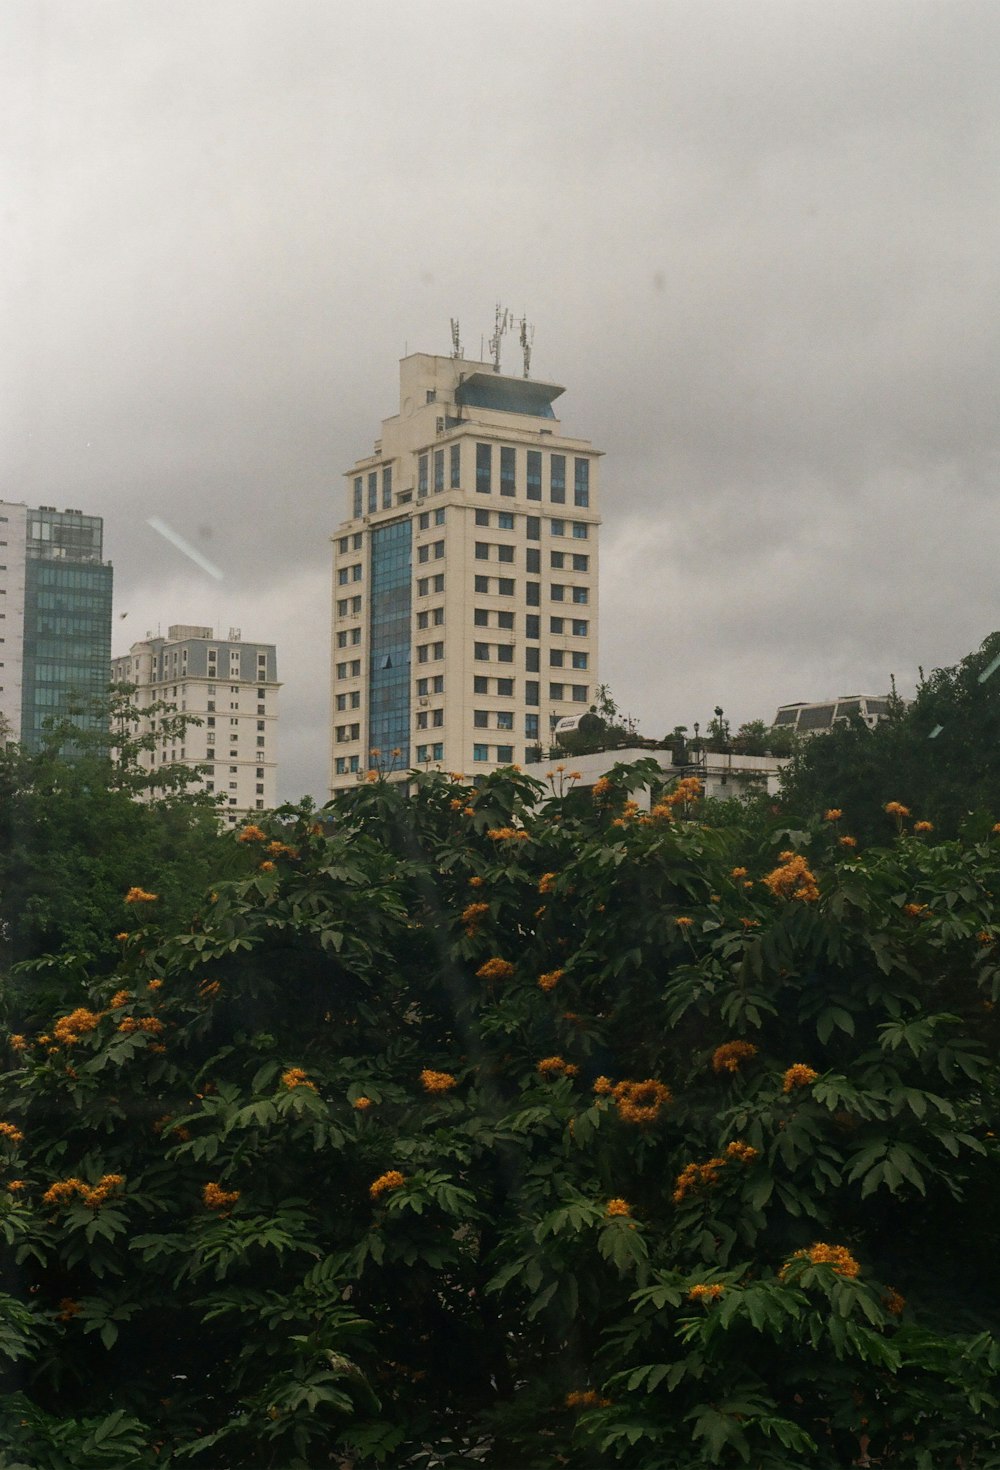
x=343 y=575
x=422 y=719
x=423 y=520
x=555 y=691
x=437 y=582
x=484 y=468
x=581 y=595
x=356 y=541
x=423 y=553
x=387 y=487
x=580 y=530
x=557 y=592
x=482 y=584
x=482 y=551
x=343 y=545
x=581 y=563
x=533 y=560
x=505 y=754
x=482 y=517
x=533 y=594
x=437 y=684
x=505 y=653
x=505 y=520
x=260 y=773
x=533 y=528
x=439 y=516
x=505 y=587
x=505 y=719
x=531 y=691
x=579 y=660
x=534 y=475
x=531 y=657
x=373 y=492
x=437 y=617
x=556 y=625
x=260 y=723
x=356 y=572
x=455 y=466
x=422 y=474
x=423 y=653
x=555 y=658
x=359 y=504
x=480 y=617
x=438 y=548
x=558 y=527
x=437 y=650
x=438 y=470
x=505 y=620
x=481 y=651
x=505 y=688
x=505 y=553
x=423 y=586
x=437 y=718
x=480 y=719
x=531 y=727
x=532 y=626
x=580 y=626
x=423 y=619
x=557 y=559
x=507 y=470
x=480 y=685
x=480 y=752
x=580 y=693
x=557 y=479
x=581 y=482
x=422 y=686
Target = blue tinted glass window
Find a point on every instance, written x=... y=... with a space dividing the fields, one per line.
x=557 y=479
x=507 y=470
x=387 y=487
x=455 y=466
x=581 y=482
x=484 y=468
x=359 y=497
x=389 y=641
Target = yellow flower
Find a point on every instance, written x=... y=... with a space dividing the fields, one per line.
x=833 y=815
x=217 y=1198
x=618 y=1207
x=640 y=1102
x=437 y=1081
x=730 y=1055
x=798 y=1075
x=139 y=895
x=704 y=1292
x=12 y=1134
x=495 y=969
x=295 y=1077
x=550 y=979
x=392 y=1180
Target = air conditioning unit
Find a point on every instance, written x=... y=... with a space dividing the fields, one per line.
x=423 y=701
x=440 y=425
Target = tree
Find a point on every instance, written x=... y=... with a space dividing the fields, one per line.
x=458 y=1129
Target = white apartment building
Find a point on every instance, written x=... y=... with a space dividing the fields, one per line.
x=465 y=578
x=231 y=686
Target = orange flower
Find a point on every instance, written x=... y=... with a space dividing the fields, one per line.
x=586 y=1399
x=618 y=1207
x=495 y=969
x=744 y=1153
x=68 y=1309
x=151 y=1025
x=15 y=1185
x=848 y=841
x=252 y=833
x=896 y=809
x=554 y=1066
x=12 y=1134
x=640 y=1102
x=69 y=1029
x=437 y=1081
x=792 y=879
x=798 y=1075
x=916 y=910
x=600 y=788
x=361 y=1104
x=18 y=1042
x=295 y=1077
x=738 y=873
x=392 y=1180
x=546 y=882
x=603 y=1086
x=836 y=1256
x=217 y=1198
x=550 y=979
x=684 y=922
x=472 y=917
x=120 y=998
x=207 y=989
x=750 y=923
x=139 y=895
x=923 y=826
x=155 y=985
x=476 y=881
x=833 y=815
x=267 y=866
x=893 y=1301
x=706 y=1292
x=122 y=936
x=696 y=1177
x=730 y=1055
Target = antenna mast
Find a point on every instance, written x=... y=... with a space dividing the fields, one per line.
x=527 y=338
x=456 y=346
x=503 y=321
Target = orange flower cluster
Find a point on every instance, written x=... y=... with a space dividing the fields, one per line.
x=586 y=1398
x=139 y=895
x=69 y=1029
x=833 y=815
x=437 y=1081
x=68 y=1309
x=743 y=1153
x=155 y=985
x=495 y=969
x=392 y=1180
x=603 y=1086
x=792 y=879
x=686 y=791
x=502 y=834
x=217 y=1198
x=847 y=841
x=916 y=910
x=12 y=1134
x=750 y=923
x=472 y=916
x=894 y=1301
x=618 y=1207
x=295 y=1077
x=267 y=866
x=705 y=1292
x=798 y=1075
x=731 y=1054
x=63 y=1190
x=208 y=989
x=640 y=1102
x=18 y=1042
x=252 y=833
x=281 y=849
x=896 y=809
x=556 y=1067
x=738 y=873
x=150 y=1024
x=476 y=881
x=180 y=1134
x=15 y=1185
x=923 y=826
x=601 y=788
x=547 y=882
x=683 y=922
x=120 y=998
x=361 y=1104
x=697 y=1176
x=550 y=979
x=984 y=937
x=836 y=1256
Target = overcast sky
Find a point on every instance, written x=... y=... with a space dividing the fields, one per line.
x=759 y=241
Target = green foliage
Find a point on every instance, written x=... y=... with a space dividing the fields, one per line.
x=458 y=1129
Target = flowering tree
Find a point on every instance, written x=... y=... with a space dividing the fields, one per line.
x=462 y=1129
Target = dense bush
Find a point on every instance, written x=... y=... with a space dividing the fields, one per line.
x=459 y=1129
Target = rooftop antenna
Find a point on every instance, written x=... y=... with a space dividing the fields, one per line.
x=527 y=338
x=456 y=345
x=503 y=321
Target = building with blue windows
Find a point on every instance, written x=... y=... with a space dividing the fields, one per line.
x=464 y=578
x=55 y=618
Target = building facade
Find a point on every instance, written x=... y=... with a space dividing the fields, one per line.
x=230 y=686
x=815 y=719
x=55 y=617
x=464 y=579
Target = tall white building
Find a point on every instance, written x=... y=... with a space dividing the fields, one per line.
x=231 y=685
x=465 y=578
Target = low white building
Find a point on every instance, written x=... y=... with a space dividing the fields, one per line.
x=817 y=718
x=723 y=775
x=231 y=686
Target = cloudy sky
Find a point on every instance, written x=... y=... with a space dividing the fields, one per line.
x=759 y=241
